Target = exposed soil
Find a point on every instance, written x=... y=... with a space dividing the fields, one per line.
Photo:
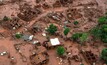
x=85 y=11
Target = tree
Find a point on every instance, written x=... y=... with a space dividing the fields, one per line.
x=104 y=28
x=96 y=32
x=83 y=38
x=104 y=38
x=52 y=29
x=76 y=36
x=104 y=33
x=66 y=31
x=100 y=32
x=104 y=54
x=102 y=20
x=18 y=35
x=60 y=50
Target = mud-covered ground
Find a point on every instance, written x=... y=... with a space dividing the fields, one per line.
x=86 y=12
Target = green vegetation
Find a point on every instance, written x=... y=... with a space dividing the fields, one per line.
x=81 y=37
x=82 y=64
x=52 y=29
x=104 y=54
x=60 y=50
x=104 y=33
x=100 y=32
x=76 y=23
x=6 y=18
x=76 y=36
x=96 y=33
x=102 y=20
x=18 y=35
x=104 y=28
x=84 y=37
x=66 y=31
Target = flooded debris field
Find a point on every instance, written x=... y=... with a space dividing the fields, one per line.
x=53 y=32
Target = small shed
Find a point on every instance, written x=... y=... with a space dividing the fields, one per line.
x=54 y=42
x=27 y=37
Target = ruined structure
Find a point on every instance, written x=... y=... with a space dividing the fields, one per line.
x=46 y=6
x=40 y=57
x=57 y=4
x=13 y=23
x=73 y=14
x=27 y=13
x=90 y=57
x=65 y=2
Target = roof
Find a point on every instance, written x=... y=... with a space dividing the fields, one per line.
x=54 y=41
x=27 y=37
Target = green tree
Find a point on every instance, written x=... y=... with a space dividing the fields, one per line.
x=81 y=37
x=104 y=28
x=76 y=36
x=104 y=54
x=52 y=29
x=104 y=38
x=66 y=31
x=84 y=37
x=60 y=50
x=96 y=32
x=104 y=33
x=100 y=32
x=102 y=20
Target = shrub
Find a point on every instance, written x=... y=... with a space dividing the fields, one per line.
x=66 y=31
x=100 y=32
x=52 y=29
x=81 y=37
x=76 y=36
x=104 y=54
x=104 y=38
x=84 y=37
x=96 y=32
x=102 y=20
x=60 y=50
x=104 y=33
x=104 y=28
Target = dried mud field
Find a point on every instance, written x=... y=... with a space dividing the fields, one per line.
x=31 y=18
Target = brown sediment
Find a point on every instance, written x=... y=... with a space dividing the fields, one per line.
x=33 y=16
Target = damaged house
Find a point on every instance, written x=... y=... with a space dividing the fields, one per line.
x=14 y=23
x=27 y=13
